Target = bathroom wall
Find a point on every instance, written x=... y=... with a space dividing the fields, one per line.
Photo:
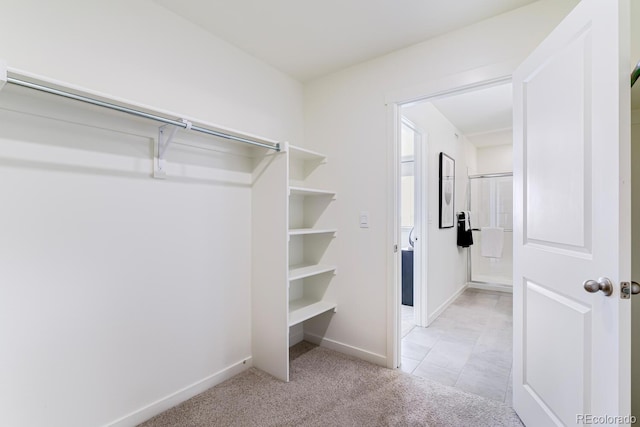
x=495 y=158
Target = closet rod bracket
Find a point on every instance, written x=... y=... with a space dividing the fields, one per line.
x=166 y=133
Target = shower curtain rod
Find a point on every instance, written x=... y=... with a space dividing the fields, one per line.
x=131 y=111
x=491 y=175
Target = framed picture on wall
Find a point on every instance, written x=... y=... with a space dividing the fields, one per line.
x=447 y=188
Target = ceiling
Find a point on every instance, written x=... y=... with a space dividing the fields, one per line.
x=484 y=116
x=307 y=39
x=479 y=111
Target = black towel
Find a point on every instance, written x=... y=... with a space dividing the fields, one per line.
x=465 y=238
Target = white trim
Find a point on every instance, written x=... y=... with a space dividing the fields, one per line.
x=461 y=82
x=167 y=402
x=394 y=289
x=423 y=285
x=437 y=312
x=491 y=287
x=365 y=355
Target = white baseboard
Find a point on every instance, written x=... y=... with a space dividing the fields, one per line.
x=368 y=356
x=161 y=405
x=491 y=287
x=433 y=316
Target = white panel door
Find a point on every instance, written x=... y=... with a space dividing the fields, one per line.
x=572 y=221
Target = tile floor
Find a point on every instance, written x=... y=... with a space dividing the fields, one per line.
x=469 y=346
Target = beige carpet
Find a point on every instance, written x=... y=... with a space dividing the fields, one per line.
x=330 y=389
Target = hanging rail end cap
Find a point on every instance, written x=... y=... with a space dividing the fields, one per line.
x=278 y=149
x=3 y=73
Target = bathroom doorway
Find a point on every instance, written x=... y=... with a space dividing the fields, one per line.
x=466 y=331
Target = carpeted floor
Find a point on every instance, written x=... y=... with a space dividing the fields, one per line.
x=331 y=389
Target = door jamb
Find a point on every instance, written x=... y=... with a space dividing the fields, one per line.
x=420 y=152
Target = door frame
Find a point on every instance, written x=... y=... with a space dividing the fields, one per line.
x=420 y=150
x=467 y=81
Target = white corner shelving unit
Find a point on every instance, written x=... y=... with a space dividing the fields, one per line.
x=308 y=274
x=290 y=238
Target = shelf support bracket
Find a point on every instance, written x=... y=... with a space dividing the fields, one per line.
x=166 y=133
x=3 y=73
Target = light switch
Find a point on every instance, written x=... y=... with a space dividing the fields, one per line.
x=364 y=219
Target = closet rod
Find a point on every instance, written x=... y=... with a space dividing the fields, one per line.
x=139 y=113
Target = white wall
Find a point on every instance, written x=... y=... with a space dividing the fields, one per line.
x=119 y=290
x=346 y=117
x=446 y=263
x=140 y=51
x=496 y=158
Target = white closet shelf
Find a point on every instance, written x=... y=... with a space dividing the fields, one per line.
x=304 y=309
x=298 y=153
x=305 y=231
x=302 y=191
x=297 y=272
